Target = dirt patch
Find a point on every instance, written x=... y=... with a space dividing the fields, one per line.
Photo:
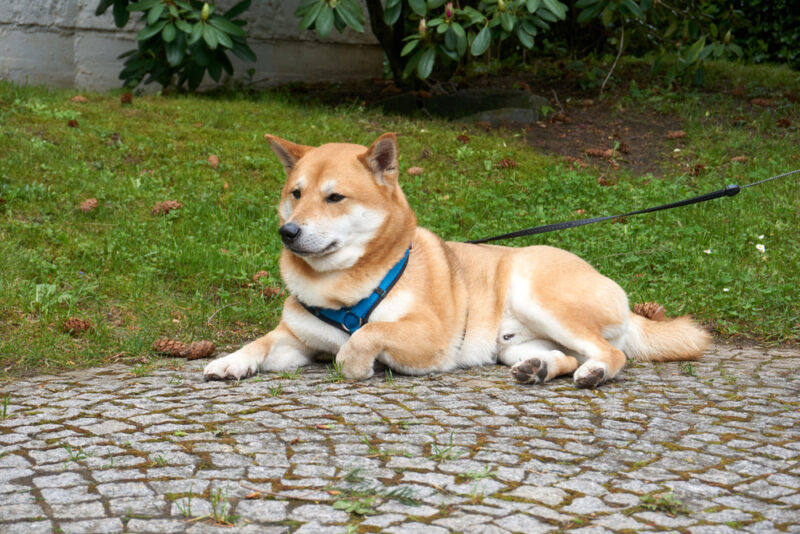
x=631 y=138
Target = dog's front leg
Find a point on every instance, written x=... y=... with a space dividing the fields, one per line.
x=280 y=349
x=408 y=342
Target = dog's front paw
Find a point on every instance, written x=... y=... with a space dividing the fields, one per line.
x=231 y=367
x=532 y=371
x=591 y=374
x=354 y=371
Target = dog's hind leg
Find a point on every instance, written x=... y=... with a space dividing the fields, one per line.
x=603 y=365
x=536 y=361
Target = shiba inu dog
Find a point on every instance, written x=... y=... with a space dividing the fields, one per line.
x=368 y=284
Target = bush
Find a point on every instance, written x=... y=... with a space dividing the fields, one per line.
x=181 y=40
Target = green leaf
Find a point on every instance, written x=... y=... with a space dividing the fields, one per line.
x=197 y=32
x=524 y=37
x=144 y=5
x=533 y=5
x=589 y=13
x=168 y=33
x=412 y=64
x=391 y=13
x=418 y=6
x=425 y=65
x=458 y=29
x=243 y=52
x=324 y=22
x=102 y=7
x=237 y=9
x=175 y=52
x=449 y=53
x=149 y=31
x=349 y=17
x=226 y=26
x=507 y=20
x=183 y=26
x=210 y=37
x=633 y=8
x=194 y=74
x=311 y=15
x=556 y=8
x=155 y=13
x=694 y=51
x=433 y=4
x=121 y=15
x=580 y=4
x=223 y=38
x=481 y=41
x=409 y=47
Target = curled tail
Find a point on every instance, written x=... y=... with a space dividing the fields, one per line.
x=665 y=341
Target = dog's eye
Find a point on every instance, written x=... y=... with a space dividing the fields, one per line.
x=296 y=193
x=333 y=198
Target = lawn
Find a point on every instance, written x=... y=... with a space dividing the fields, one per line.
x=734 y=263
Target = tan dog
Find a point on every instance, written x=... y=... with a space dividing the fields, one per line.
x=345 y=224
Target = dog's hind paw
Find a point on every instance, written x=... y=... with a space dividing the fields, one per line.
x=532 y=371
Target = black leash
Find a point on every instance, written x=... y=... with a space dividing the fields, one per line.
x=727 y=191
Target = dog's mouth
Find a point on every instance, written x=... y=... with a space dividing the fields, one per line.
x=332 y=247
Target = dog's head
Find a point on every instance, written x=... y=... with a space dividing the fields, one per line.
x=339 y=198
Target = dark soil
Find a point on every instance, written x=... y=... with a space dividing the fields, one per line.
x=580 y=121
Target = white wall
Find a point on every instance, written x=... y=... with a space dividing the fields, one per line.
x=62 y=43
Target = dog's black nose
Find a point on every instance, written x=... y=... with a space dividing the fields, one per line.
x=289 y=232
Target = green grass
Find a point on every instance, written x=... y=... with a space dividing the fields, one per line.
x=188 y=275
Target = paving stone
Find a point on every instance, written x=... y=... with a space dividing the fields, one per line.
x=552 y=452
x=524 y=524
x=93 y=526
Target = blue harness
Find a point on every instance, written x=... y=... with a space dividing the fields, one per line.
x=350 y=319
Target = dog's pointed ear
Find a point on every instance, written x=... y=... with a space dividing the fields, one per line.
x=286 y=151
x=381 y=159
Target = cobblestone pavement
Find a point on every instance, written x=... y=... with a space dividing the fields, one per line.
x=712 y=447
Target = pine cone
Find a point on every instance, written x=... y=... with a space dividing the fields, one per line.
x=162 y=208
x=198 y=349
x=165 y=345
x=90 y=204
x=652 y=310
x=76 y=325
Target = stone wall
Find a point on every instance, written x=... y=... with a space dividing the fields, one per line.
x=62 y=43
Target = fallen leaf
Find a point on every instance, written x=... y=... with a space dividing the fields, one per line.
x=269 y=292
x=213 y=161
x=334 y=492
x=463 y=138
x=126 y=98
x=576 y=161
x=762 y=102
x=595 y=152
x=90 y=204
x=783 y=122
x=605 y=182
x=698 y=169
x=162 y=208
x=79 y=99
x=253 y=495
x=624 y=148
x=608 y=153
x=324 y=426
x=506 y=163
x=414 y=171
x=72 y=123
x=260 y=274
x=391 y=90
x=739 y=159
x=677 y=134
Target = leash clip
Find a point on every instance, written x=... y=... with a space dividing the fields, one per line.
x=731 y=190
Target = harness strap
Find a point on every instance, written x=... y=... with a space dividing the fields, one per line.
x=351 y=318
